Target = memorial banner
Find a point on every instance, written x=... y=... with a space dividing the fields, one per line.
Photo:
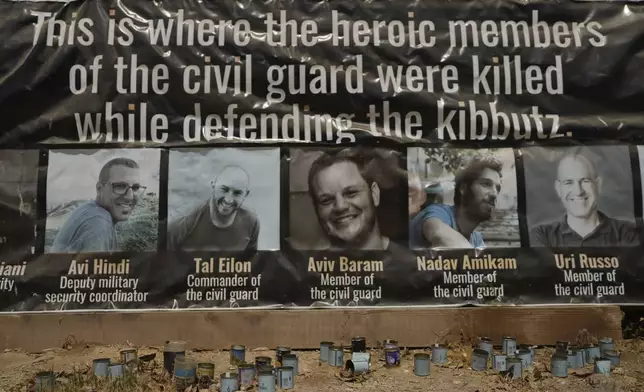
x=175 y=155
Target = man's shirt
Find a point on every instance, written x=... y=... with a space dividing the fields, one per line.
x=447 y=215
x=196 y=231
x=610 y=232
x=89 y=228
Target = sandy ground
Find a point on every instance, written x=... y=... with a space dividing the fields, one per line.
x=17 y=369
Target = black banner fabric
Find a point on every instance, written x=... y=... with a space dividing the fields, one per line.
x=174 y=155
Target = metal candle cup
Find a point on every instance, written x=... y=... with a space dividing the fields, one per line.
x=606 y=344
x=439 y=354
x=266 y=380
x=562 y=347
x=579 y=356
x=559 y=365
x=45 y=382
x=531 y=349
x=285 y=379
x=498 y=362
x=479 y=359
x=571 y=359
x=487 y=345
x=246 y=373
x=324 y=351
x=422 y=364
x=357 y=364
x=392 y=357
x=508 y=345
x=100 y=367
x=129 y=357
x=592 y=352
x=279 y=351
x=185 y=372
x=262 y=362
x=613 y=356
x=515 y=369
x=205 y=374
x=170 y=352
x=358 y=344
x=290 y=360
x=116 y=370
x=602 y=366
x=228 y=382
x=526 y=358
x=237 y=354
x=336 y=356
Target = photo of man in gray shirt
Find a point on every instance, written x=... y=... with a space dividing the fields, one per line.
x=578 y=185
x=221 y=222
x=91 y=226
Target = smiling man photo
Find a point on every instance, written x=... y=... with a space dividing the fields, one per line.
x=220 y=223
x=476 y=189
x=91 y=226
x=346 y=196
x=578 y=185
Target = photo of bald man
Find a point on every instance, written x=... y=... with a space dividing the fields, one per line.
x=588 y=201
x=237 y=195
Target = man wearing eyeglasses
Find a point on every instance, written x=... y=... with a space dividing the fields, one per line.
x=91 y=227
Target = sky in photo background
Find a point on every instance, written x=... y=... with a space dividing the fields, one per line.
x=72 y=174
x=191 y=172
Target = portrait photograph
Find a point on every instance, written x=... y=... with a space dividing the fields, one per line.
x=579 y=196
x=102 y=200
x=224 y=199
x=347 y=198
x=18 y=202
x=462 y=198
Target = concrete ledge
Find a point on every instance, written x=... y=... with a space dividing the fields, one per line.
x=305 y=328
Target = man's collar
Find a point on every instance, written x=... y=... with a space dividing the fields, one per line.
x=602 y=227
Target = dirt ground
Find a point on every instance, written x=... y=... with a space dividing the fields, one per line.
x=17 y=370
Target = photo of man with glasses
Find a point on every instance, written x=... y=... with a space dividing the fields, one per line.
x=91 y=226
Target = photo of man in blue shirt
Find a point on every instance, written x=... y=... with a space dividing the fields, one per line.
x=438 y=225
x=91 y=226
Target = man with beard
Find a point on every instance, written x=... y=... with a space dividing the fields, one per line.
x=476 y=189
x=221 y=223
x=577 y=185
x=90 y=228
x=345 y=196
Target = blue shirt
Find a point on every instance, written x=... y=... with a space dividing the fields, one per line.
x=447 y=215
x=89 y=228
